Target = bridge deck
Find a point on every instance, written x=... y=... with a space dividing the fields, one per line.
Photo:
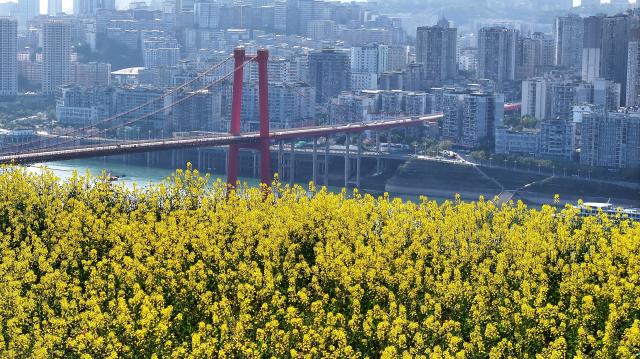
x=177 y=143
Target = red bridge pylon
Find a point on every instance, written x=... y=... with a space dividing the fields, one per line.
x=262 y=59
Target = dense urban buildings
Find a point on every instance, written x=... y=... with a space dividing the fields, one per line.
x=330 y=62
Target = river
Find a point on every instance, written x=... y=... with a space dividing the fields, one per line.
x=141 y=175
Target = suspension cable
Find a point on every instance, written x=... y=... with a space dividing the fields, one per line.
x=137 y=108
x=165 y=108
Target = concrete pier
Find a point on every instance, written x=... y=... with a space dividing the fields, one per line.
x=347 y=159
x=292 y=164
x=314 y=161
x=326 y=160
x=281 y=160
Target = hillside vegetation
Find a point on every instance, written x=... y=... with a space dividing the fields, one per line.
x=91 y=269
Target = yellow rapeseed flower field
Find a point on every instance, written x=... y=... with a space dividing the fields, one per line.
x=93 y=269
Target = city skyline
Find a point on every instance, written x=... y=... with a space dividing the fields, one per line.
x=67 y=5
x=508 y=85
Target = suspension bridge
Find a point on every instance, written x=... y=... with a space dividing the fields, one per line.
x=97 y=134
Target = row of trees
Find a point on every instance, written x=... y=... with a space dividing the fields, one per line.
x=186 y=269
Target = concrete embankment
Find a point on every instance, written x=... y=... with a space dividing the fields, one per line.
x=445 y=180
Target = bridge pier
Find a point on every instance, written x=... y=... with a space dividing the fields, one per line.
x=378 y=159
x=255 y=164
x=281 y=160
x=200 y=169
x=347 y=164
x=326 y=161
x=206 y=162
x=314 y=161
x=358 y=160
x=226 y=160
x=292 y=164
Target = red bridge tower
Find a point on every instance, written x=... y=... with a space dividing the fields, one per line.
x=262 y=59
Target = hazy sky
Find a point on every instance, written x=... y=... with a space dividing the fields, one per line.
x=67 y=5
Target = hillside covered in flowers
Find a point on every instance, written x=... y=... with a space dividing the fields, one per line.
x=90 y=268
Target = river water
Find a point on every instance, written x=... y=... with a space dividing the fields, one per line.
x=132 y=172
x=141 y=175
x=128 y=173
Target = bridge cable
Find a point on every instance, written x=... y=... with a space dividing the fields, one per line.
x=155 y=112
x=137 y=108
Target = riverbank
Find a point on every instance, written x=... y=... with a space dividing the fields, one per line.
x=445 y=180
x=408 y=180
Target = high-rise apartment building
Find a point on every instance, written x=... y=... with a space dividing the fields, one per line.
x=535 y=94
x=290 y=105
x=322 y=30
x=91 y=74
x=610 y=139
x=129 y=98
x=280 y=16
x=367 y=64
x=82 y=106
x=27 y=10
x=633 y=71
x=526 y=57
x=206 y=15
x=329 y=73
x=8 y=9
x=557 y=139
x=109 y=4
x=591 y=48
x=569 y=38
x=85 y=7
x=600 y=92
x=615 y=48
x=56 y=53
x=436 y=50
x=562 y=98
x=547 y=48
x=184 y=6
x=497 y=54
x=299 y=13
x=470 y=118
x=372 y=58
x=398 y=57
x=199 y=111
x=54 y=7
x=549 y=98
x=590 y=3
x=481 y=113
x=8 y=56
